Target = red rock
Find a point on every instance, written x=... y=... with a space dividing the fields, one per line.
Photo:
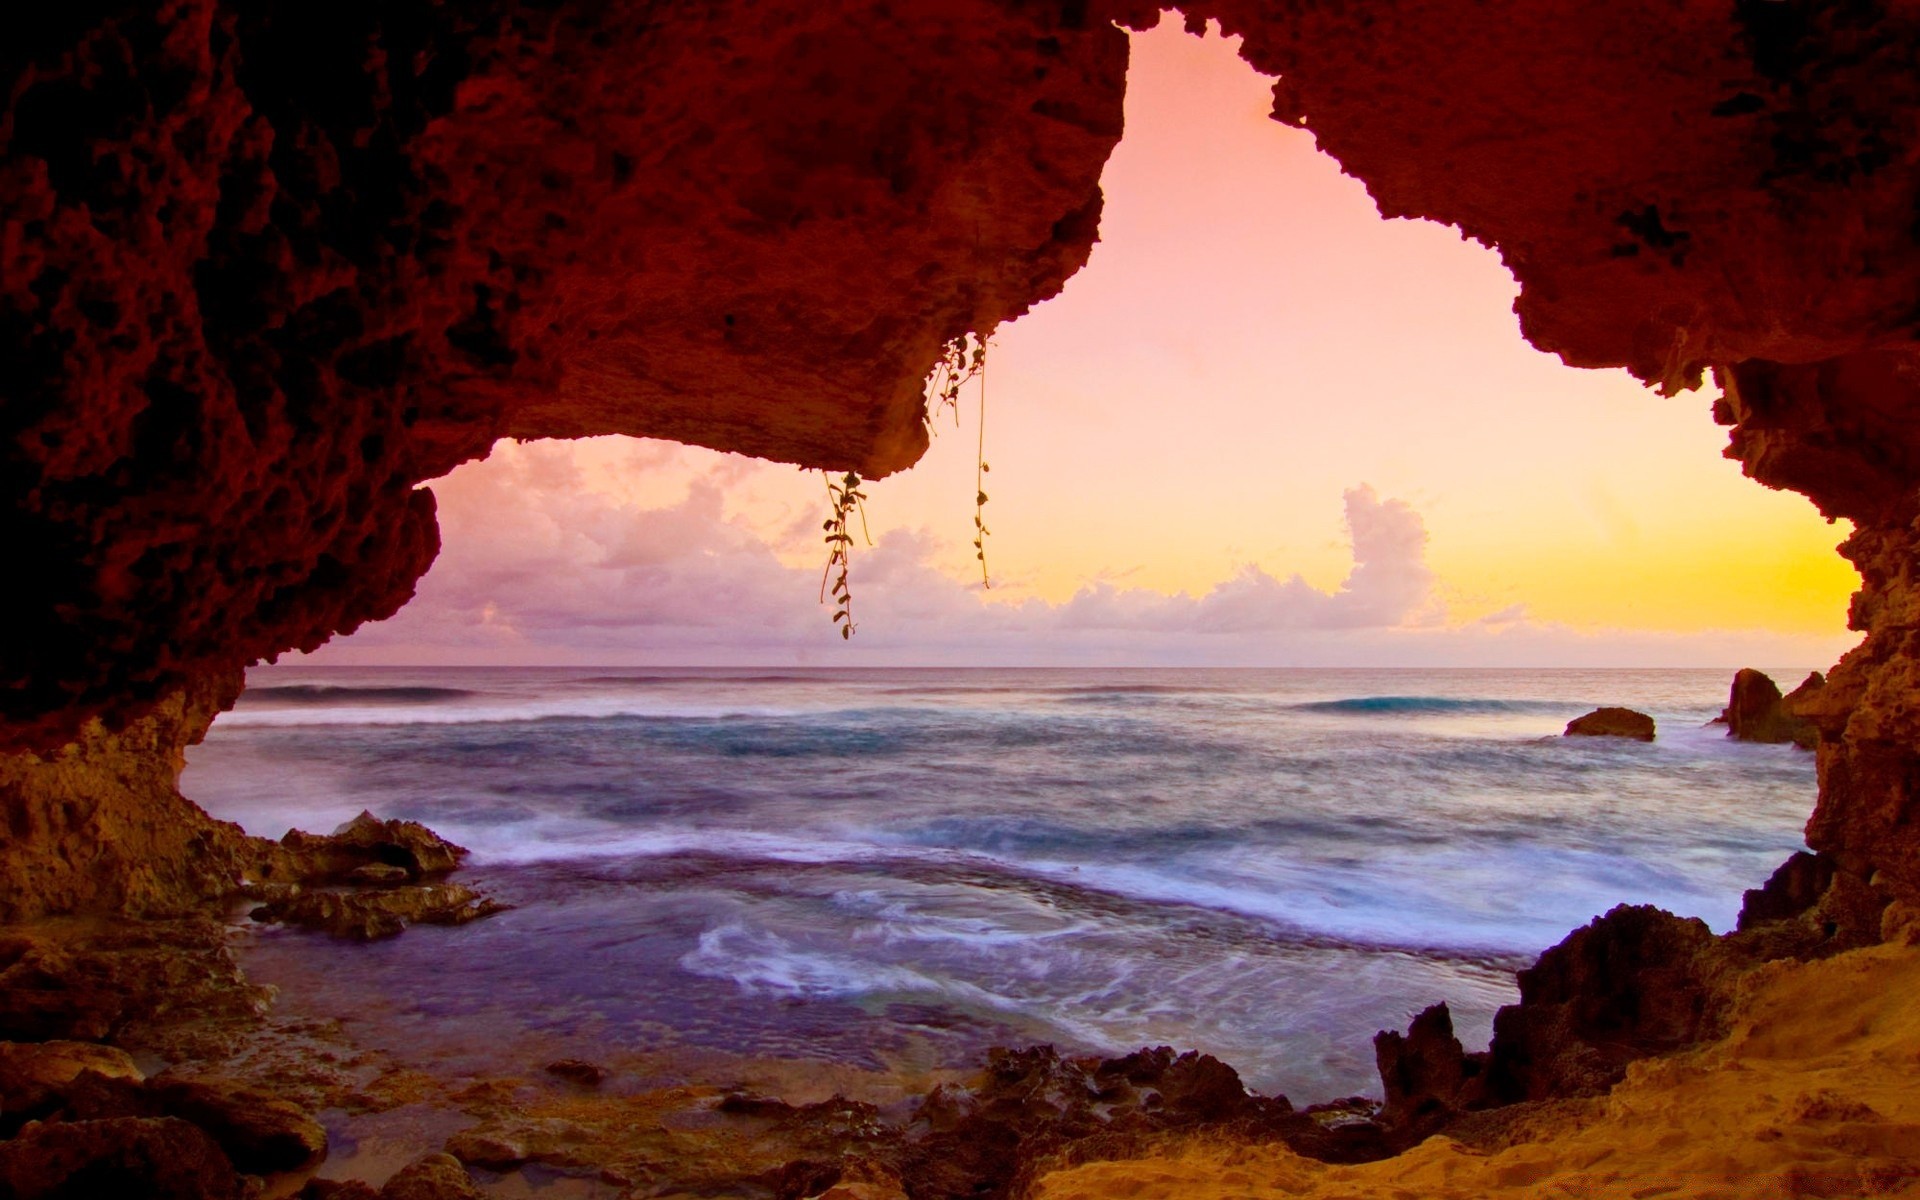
x=266 y=268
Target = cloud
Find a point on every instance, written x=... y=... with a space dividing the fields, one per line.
x=1390 y=585
x=557 y=555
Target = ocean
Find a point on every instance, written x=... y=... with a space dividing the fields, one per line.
x=887 y=867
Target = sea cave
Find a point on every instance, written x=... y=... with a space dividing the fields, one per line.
x=266 y=270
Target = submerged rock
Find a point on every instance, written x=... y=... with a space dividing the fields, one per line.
x=1612 y=722
x=1757 y=712
x=370 y=915
x=575 y=1070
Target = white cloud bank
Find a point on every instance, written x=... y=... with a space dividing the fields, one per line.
x=541 y=567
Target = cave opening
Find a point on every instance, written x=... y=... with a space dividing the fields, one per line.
x=748 y=927
x=1501 y=511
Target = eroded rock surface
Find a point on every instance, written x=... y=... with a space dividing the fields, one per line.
x=264 y=268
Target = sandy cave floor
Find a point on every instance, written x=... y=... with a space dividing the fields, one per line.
x=1816 y=1093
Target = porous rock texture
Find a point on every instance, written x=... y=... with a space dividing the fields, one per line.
x=266 y=267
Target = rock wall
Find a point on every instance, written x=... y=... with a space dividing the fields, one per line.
x=99 y=825
x=264 y=267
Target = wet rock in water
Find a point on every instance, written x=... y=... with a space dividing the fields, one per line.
x=34 y=1074
x=1612 y=722
x=368 y=916
x=150 y=1158
x=575 y=1070
x=1757 y=712
x=362 y=843
x=435 y=1177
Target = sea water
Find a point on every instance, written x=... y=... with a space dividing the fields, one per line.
x=1268 y=866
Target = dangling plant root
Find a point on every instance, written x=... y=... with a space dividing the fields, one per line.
x=842 y=498
x=980 y=469
x=961 y=359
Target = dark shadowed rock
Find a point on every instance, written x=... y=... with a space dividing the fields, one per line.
x=1635 y=982
x=338 y=1189
x=1424 y=1072
x=33 y=1075
x=1757 y=712
x=1612 y=722
x=125 y=1157
x=261 y=1134
x=1810 y=907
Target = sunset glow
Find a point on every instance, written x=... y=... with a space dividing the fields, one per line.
x=1249 y=343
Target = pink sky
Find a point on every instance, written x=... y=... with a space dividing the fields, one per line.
x=1262 y=426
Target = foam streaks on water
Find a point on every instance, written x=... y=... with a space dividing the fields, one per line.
x=1267 y=865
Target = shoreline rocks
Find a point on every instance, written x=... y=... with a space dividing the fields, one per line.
x=365 y=881
x=1612 y=722
x=1757 y=712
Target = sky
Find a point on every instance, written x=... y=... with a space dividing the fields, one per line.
x=1262 y=427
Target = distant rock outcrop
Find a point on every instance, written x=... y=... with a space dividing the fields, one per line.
x=1757 y=712
x=1612 y=722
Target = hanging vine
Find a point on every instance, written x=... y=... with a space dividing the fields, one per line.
x=961 y=359
x=843 y=498
x=980 y=470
